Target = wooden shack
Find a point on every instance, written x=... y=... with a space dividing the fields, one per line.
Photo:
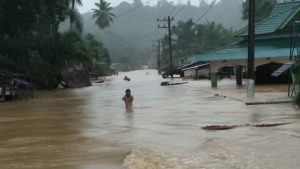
x=13 y=87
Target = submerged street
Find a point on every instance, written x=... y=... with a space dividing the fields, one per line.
x=89 y=128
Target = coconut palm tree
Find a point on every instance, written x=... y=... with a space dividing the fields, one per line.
x=103 y=15
x=77 y=2
x=75 y=18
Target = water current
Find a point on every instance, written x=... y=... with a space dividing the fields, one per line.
x=89 y=128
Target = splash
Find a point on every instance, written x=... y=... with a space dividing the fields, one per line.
x=216 y=156
x=150 y=159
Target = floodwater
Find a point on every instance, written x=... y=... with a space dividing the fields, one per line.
x=89 y=128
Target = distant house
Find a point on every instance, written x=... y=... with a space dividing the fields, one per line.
x=276 y=43
x=13 y=86
x=196 y=70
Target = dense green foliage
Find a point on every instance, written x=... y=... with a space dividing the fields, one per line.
x=194 y=38
x=129 y=38
x=31 y=44
x=263 y=8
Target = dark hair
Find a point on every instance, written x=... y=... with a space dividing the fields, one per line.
x=127 y=90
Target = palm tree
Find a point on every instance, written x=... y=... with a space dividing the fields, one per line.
x=77 y=2
x=103 y=15
x=75 y=18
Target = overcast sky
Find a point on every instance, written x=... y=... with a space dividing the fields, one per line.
x=89 y=4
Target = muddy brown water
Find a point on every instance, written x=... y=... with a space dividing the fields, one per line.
x=89 y=128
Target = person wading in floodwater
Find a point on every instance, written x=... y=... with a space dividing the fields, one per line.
x=126 y=78
x=128 y=99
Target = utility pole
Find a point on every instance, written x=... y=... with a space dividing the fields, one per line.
x=158 y=54
x=251 y=45
x=169 y=27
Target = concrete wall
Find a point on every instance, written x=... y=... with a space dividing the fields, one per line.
x=216 y=65
x=191 y=73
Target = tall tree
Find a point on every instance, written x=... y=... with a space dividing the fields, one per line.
x=263 y=8
x=185 y=32
x=20 y=17
x=104 y=16
x=194 y=38
x=31 y=43
x=75 y=18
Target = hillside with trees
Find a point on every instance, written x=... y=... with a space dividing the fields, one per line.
x=129 y=38
x=42 y=39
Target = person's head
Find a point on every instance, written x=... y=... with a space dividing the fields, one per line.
x=128 y=92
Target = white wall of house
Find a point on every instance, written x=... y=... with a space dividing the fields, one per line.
x=189 y=73
x=192 y=73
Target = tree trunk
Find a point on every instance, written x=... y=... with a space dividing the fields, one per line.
x=71 y=16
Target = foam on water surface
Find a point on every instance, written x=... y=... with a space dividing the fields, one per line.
x=216 y=155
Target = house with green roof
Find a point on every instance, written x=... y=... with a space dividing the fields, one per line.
x=276 y=42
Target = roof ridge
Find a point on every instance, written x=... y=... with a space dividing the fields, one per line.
x=224 y=47
x=273 y=16
x=278 y=10
x=288 y=2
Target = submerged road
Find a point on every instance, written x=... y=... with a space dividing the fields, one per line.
x=89 y=128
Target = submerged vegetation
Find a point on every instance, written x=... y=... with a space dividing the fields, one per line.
x=31 y=43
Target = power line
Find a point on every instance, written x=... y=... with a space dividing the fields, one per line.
x=158 y=53
x=121 y=14
x=188 y=14
x=169 y=27
x=179 y=11
x=165 y=10
x=126 y=12
x=172 y=11
x=208 y=9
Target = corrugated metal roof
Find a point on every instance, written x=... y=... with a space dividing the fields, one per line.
x=197 y=67
x=279 y=17
x=238 y=55
x=191 y=64
x=286 y=66
x=263 y=49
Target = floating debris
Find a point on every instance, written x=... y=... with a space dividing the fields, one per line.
x=218 y=127
x=268 y=102
x=269 y=125
x=226 y=127
x=168 y=83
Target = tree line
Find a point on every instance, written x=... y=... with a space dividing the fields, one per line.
x=129 y=39
x=189 y=38
x=32 y=45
